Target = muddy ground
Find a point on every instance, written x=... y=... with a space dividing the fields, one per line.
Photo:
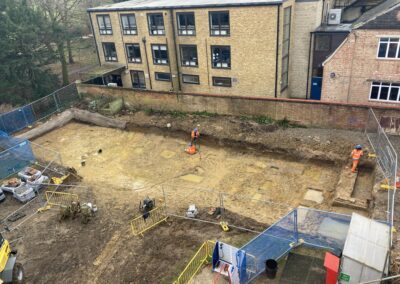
x=263 y=170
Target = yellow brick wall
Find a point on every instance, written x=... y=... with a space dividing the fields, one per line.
x=253 y=49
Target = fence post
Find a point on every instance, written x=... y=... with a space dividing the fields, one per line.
x=296 y=230
x=55 y=100
x=2 y=123
x=23 y=113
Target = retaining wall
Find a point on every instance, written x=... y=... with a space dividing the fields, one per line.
x=304 y=112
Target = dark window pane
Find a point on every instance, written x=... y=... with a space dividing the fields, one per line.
x=374 y=92
x=394 y=92
x=163 y=76
x=160 y=54
x=382 y=49
x=384 y=92
x=222 y=82
x=219 y=23
x=138 y=80
x=110 y=53
x=156 y=24
x=190 y=79
x=221 y=57
x=189 y=55
x=133 y=53
x=392 y=50
x=322 y=43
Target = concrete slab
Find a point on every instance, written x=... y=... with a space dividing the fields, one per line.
x=192 y=178
x=314 y=195
x=167 y=154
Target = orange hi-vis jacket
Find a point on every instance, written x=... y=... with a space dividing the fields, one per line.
x=356 y=154
x=195 y=134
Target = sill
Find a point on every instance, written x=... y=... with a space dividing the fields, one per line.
x=132 y=62
x=190 y=66
x=388 y=59
x=385 y=102
x=139 y=88
x=157 y=34
x=164 y=64
x=186 y=34
x=167 y=81
x=111 y=60
x=222 y=86
x=190 y=83
x=130 y=34
x=223 y=68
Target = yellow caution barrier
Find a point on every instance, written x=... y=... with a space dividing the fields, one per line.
x=54 y=198
x=202 y=256
x=143 y=223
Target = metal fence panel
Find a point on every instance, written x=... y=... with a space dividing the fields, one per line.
x=386 y=157
x=20 y=118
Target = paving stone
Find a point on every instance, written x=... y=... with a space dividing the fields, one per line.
x=314 y=195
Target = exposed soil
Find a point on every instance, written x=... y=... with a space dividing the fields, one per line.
x=261 y=170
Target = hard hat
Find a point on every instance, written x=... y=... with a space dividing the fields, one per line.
x=358 y=146
x=196 y=129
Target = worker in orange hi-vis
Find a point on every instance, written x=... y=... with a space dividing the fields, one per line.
x=356 y=156
x=195 y=135
x=191 y=149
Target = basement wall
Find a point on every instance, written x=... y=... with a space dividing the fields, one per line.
x=304 y=112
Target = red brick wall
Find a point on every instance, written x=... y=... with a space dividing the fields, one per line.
x=305 y=112
x=355 y=65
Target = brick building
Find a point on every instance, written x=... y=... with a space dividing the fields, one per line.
x=365 y=68
x=235 y=47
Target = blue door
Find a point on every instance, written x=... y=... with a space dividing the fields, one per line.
x=316 y=86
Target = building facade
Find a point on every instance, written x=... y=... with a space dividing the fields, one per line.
x=366 y=66
x=236 y=48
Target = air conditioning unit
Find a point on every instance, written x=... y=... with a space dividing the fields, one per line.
x=334 y=16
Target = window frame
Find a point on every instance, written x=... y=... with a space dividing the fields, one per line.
x=104 y=52
x=144 y=77
x=127 y=53
x=181 y=55
x=212 y=57
x=286 y=56
x=124 y=31
x=105 y=29
x=148 y=15
x=162 y=80
x=387 y=100
x=397 y=56
x=186 y=26
x=224 y=86
x=210 y=13
x=152 y=53
x=198 y=77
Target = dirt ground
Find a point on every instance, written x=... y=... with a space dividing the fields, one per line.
x=236 y=159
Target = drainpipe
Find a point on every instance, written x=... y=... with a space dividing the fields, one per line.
x=169 y=65
x=147 y=61
x=277 y=49
x=176 y=48
x=309 y=64
x=94 y=37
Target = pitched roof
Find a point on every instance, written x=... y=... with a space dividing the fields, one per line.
x=383 y=16
x=168 y=4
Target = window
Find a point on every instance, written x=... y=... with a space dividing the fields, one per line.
x=104 y=24
x=156 y=24
x=287 y=14
x=133 y=53
x=129 y=24
x=160 y=54
x=190 y=79
x=389 y=47
x=138 y=80
x=189 y=55
x=219 y=24
x=186 y=24
x=110 y=53
x=163 y=76
x=322 y=42
x=381 y=91
x=222 y=82
x=221 y=57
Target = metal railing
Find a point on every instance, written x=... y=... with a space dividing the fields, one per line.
x=202 y=256
x=54 y=198
x=148 y=220
x=40 y=109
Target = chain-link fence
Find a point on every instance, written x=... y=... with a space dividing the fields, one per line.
x=22 y=117
x=386 y=157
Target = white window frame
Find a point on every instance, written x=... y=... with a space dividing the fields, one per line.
x=387 y=48
x=379 y=92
